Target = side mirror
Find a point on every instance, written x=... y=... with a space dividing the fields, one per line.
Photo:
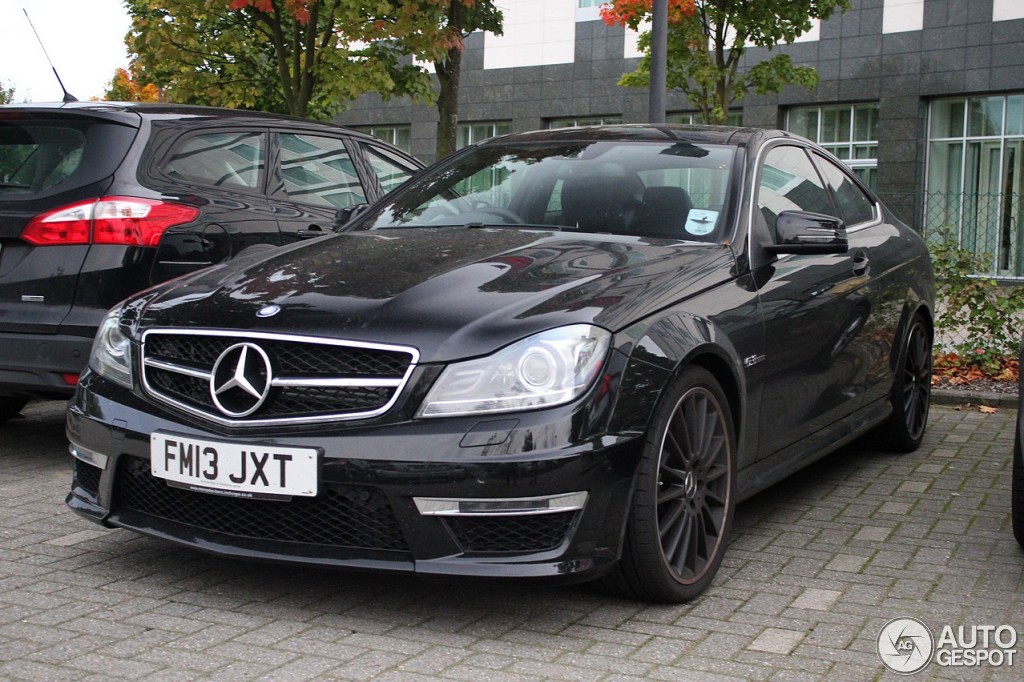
x=804 y=233
x=346 y=215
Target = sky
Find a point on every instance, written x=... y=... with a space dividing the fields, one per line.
x=84 y=38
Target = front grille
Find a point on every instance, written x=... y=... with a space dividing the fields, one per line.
x=356 y=517
x=88 y=477
x=310 y=379
x=319 y=400
x=519 y=534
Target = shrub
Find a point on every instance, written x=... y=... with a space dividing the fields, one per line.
x=979 y=318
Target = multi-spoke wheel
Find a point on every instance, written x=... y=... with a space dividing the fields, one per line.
x=911 y=390
x=683 y=503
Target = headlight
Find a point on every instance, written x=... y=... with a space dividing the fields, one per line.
x=550 y=368
x=111 y=355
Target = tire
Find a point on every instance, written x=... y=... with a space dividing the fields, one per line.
x=911 y=391
x=1017 y=491
x=682 y=506
x=10 y=407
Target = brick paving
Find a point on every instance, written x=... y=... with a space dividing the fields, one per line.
x=817 y=566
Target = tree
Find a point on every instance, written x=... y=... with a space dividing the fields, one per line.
x=435 y=31
x=127 y=86
x=708 y=38
x=6 y=93
x=306 y=57
x=429 y=30
x=301 y=57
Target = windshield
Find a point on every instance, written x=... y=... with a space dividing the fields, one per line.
x=672 y=190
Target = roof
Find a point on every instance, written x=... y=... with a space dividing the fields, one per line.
x=645 y=132
x=135 y=110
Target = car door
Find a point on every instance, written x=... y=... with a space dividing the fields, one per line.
x=224 y=170
x=315 y=174
x=875 y=246
x=815 y=312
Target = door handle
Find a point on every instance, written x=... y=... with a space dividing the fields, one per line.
x=313 y=231
x=860 y=264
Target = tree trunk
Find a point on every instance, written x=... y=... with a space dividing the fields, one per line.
x=448 y=102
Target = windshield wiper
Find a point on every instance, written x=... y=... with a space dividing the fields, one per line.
x=513 y=226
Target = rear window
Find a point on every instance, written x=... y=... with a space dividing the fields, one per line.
x=45 y=156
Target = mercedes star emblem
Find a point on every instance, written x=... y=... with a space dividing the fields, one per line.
x=240 y=380
x=268 y=310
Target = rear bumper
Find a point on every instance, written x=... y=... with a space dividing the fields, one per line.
x=36 y=364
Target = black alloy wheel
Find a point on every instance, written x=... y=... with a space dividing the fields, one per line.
x=911 y=391
x=683 y=503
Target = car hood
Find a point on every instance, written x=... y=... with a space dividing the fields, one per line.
x=450 y=292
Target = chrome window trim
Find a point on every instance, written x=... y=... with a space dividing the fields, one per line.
x=755 y=187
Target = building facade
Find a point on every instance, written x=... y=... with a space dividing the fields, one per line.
x=923 y=98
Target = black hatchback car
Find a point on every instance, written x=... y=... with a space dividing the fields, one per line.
x=564 y=354
x=100 y=200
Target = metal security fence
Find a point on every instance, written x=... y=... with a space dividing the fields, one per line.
x=988 y=225
x=977 y=245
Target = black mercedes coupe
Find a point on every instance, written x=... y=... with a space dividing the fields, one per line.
x=561 y=354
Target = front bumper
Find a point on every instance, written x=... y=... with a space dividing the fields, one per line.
x=512 y=496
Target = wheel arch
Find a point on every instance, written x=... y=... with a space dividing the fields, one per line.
x=723 y=372
x=912 y=307
x=659 y=353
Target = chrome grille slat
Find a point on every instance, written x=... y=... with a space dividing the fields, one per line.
x=314 y=379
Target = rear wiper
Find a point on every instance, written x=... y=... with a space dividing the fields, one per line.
x=13 y=185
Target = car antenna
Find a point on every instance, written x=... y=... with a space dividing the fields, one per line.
x=68 y=97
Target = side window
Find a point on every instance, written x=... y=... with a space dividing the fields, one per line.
x=226 y=159
x=318 y=170
x=856 y=206
x=789 y=182
x=390 y=170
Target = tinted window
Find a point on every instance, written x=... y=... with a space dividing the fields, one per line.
x=219 y=159
x=790 y=183
x=37 y=156
x=659 y=189
x=318 y=170
x=390 y=170
x=855 y=205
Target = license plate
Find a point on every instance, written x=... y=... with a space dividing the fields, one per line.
x=253 y=470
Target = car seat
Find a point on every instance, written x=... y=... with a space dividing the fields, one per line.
x=663 y=213
x=601 y=203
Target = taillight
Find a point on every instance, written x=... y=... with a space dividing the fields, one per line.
x=128 y=221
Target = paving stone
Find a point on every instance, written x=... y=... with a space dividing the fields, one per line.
x=816 y=566
x=816 y=599
x=776 y=640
